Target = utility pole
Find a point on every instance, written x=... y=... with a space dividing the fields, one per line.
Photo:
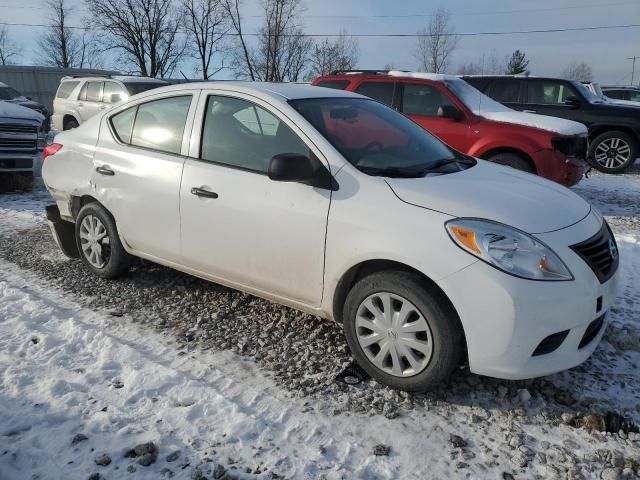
x=633 y=67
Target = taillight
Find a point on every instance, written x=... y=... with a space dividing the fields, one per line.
x=50 y=149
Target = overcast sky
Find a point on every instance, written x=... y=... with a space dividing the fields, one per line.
x=606 y=51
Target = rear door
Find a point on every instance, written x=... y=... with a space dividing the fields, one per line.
x=137 y=171
x=238 y=225
x=423 y=103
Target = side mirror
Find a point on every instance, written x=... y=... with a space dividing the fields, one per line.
x=294 y=167
x=572 y=102
x=115 y=98
x=449 y=111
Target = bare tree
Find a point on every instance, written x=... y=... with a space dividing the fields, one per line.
x=205 y=21
x=340 y=54
x=241 y=57
x=578 y=71
x=470 y=68
x=282 y=50
x=60 y=45
x=146 y=33
x=436 y=43
x=491 y=64
x=8 y=48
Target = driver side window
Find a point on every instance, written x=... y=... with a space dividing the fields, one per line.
x=241 y=134
x=423 y=100
x=549 y=92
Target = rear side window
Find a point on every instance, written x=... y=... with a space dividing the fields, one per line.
x=504 y=90
x=92 y=91
x=337 y=84
x=123 y=124
x=159 y=124
x=65 y=89
x=617 y=94
x=424 y=100
x=380 y=91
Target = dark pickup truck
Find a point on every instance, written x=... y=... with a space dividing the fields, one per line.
x=614 y=129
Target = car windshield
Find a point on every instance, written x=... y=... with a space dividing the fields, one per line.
x=586 y=93
x=138 y=87
x=8 y=93
x=473 y=99
x=378 y=140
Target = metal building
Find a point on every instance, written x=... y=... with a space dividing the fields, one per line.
x=41 y=83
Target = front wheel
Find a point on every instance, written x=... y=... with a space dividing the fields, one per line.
x=401 y=333
x=512 y=160
x=98 y=242
x=613 y=152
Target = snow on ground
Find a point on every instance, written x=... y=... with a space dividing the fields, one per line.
x=67 y=368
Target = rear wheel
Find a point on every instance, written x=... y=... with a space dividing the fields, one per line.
x=99 y=244
x=512 y=160
x=400 y=332
x=613 y=152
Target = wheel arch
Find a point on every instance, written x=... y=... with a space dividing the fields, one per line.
x=79 y=201
x=601 y=129
x=515 y=151
x=368 y=267
x=67 y=117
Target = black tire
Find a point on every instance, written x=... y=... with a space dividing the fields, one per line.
x=70 y=124
x=446 y=332
x=625 y=144
x=512 y=160
x=116 y=260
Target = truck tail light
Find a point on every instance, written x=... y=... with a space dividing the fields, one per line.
x=50 y=149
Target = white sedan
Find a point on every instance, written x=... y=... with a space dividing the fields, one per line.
x=337 y=205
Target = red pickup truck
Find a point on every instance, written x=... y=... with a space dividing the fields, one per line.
x=473 y=123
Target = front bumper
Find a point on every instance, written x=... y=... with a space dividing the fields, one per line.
x=505 y=319
x=556 y=166
x=19 y=162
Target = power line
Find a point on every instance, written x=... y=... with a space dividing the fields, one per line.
x=384 y=35
x=413 y=15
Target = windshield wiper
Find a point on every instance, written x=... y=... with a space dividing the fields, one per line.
x=413 y=172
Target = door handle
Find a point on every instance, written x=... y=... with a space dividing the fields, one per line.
x=81 y=104
x=105 y=170
x=529 y=111
x=201 y=192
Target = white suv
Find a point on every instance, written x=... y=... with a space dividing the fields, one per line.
x=337 y=205
x=79 y=97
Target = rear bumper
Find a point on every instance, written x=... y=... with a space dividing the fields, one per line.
x=556 y=166
x=63 y=232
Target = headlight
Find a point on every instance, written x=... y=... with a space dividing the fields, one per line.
x=508 y=249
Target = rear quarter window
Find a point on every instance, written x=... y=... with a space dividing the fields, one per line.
x=65 y=89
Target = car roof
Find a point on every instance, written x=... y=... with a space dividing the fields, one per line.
x=122 y=78
x=369 y=74
x=279 y=91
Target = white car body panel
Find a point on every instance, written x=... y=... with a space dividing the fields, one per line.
x=292 y=243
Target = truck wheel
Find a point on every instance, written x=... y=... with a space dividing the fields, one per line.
x=401 y=333
x=511 y=160
x=99 y=244
x=70 y=124
x=613 y=152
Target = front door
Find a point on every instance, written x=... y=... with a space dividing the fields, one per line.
x=237 y=224
x=422 y=103
x=553 y=98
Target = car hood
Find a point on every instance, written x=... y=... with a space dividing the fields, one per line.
x=541 y=122
x=25 y=102
x=497 y=193
x=11 y=110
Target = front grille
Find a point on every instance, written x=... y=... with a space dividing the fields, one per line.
x=16 y=163
x=575 y=147
x=600 y=252
x=17 y=143
x=17 y=128
x=592 y=331
x=550 y=343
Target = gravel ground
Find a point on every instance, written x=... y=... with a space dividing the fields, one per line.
x=307 y=355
